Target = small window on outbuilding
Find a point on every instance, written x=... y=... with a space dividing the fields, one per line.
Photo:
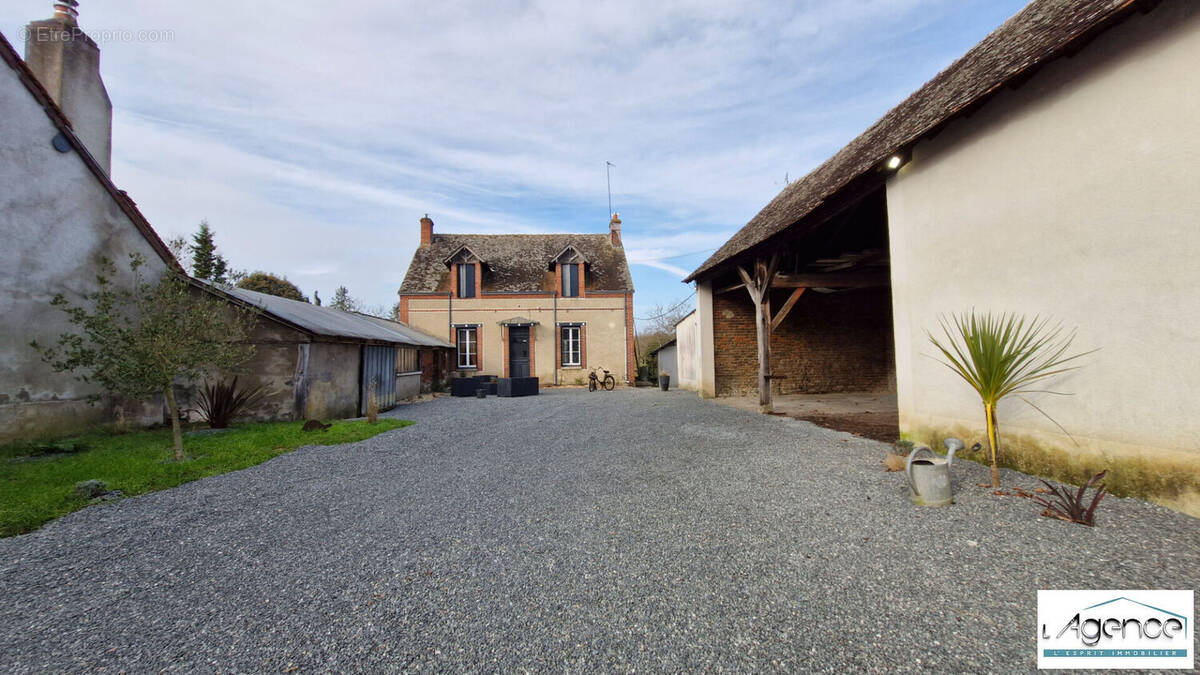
x=408 y=360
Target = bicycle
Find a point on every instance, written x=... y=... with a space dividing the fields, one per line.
x=608 y=382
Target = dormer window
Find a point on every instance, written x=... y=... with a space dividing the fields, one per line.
x=466 y=267
x=571 y=265
x=571 y=280
x=466 y=280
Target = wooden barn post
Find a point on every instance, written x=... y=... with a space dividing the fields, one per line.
x=759 y=287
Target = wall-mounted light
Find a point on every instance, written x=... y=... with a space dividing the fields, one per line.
x=894 y=162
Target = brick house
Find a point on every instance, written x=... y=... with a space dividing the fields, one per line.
x=1048 y=171
x=552 y=306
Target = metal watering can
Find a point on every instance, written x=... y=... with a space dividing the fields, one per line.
x=929 y=477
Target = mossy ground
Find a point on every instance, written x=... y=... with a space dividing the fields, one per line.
x=37 y=479
x=1172 y=480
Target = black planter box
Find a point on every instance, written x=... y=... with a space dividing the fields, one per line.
x=664 y=382
x=488 y=382
x=463 y=386
x=517 y=386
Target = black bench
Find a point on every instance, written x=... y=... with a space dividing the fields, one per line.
x=489 y=382
x=517 y=386
x=463 y=386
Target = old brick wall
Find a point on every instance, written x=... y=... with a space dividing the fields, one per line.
x=831 y=342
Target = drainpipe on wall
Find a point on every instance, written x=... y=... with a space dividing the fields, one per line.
x=554 y=332
x=627 y=314
x=450 y=317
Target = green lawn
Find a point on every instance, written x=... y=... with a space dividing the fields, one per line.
x=37 y=488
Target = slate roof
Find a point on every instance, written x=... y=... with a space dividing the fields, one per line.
x=59 y=119
x=330 y=322
x=419 y=338
x=668 y=343
x=518 y=262
x=1041 y=32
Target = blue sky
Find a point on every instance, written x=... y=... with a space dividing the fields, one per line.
x=313 y=135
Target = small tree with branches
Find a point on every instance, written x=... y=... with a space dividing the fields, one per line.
x=262 y=282
x=138 y=339
x=658 y=326
x=207 y=264
x=344 y=301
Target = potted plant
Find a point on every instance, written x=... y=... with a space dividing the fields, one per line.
x=664 y=380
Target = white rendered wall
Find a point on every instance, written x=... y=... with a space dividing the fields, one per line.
x=687 y=341
x=1076 y=196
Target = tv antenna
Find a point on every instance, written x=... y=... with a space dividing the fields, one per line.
x=608 y=178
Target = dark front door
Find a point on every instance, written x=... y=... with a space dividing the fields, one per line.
x=518 y=351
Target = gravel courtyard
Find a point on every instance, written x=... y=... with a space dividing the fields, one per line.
x=631 y=530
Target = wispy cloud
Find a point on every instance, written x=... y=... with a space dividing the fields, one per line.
x=313 y=135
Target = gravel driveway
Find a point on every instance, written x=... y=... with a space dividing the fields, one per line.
x=569 y=531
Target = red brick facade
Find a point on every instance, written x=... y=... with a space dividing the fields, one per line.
x=504 y=349
x=828 y=343
x=532 y=352
x=582 y=347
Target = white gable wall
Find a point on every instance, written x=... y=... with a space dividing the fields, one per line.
x=689 y=354
x=56 y=218
x=1075 y=196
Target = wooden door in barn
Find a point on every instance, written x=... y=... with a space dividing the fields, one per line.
x=518 y=351
x=378 y=367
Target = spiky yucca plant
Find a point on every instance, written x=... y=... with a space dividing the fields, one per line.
x=1003 y=354
x=219 y=403
x=1066 y=505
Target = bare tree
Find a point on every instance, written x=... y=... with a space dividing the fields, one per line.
x=659 y=326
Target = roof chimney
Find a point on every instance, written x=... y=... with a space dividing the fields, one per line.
x=426 y=231
x=67 y=63
x=66 y=10
x=614 y=230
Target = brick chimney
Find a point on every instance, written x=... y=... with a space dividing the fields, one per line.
x=614 y=230
x=67 y=63
x=426 y=231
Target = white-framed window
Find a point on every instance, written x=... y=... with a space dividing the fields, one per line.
x=468 y=347
x=571 y=346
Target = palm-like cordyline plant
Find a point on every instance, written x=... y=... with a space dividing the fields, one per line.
x=1003 y=354
x=221 y=402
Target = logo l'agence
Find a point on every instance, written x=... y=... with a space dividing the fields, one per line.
x=1116 y=629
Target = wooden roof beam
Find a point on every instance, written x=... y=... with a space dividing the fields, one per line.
x=859 y=280
x=787 y=307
